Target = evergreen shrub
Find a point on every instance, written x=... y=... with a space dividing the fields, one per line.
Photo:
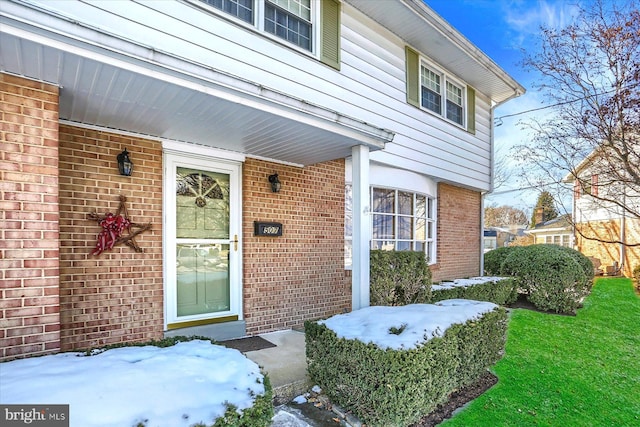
x=494 y=258
x=551 y=277
x=499 y=291
x=398 y=387
x=399 y=278
x=583 y=260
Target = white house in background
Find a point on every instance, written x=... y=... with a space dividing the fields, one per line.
x=214 y=100
x=599 y=220
x=557 y=231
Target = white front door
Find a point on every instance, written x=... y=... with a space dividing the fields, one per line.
x=202 y=241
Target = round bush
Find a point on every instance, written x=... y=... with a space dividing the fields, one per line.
x=493 y=260
x=583 y=260
x=551 y=277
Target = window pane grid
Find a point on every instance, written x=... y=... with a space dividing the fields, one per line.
x=242 y=9
x=300 y=8
x=402 y=221
x=433 y=97
x=454 y=103
x=287 y=26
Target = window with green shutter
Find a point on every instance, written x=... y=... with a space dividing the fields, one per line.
x=434 y=90
x=294 y=21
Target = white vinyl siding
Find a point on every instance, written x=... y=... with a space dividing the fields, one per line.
x=370 y=85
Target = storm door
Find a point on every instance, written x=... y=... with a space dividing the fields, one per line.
x=202 y=250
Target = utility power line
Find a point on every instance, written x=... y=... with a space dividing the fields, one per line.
x=499 y=119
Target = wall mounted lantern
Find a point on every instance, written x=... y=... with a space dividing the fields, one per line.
x=125 y=166
x=275 y=183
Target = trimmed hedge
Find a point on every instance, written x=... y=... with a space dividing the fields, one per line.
x=493 y=260
x=399 y=278
x=498 y=290
x=552 y=278
x=398 y=387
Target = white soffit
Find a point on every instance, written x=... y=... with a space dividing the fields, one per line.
x=108 y=89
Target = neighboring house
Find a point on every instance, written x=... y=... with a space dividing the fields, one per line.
x=557 y=231
x=598 y=221
x=375 y=118
x=490 y=240
x=499 y=237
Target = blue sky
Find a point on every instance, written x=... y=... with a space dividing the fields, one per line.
x=502 y=29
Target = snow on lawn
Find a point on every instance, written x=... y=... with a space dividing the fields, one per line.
x=465 y=283
x=417 y=322
x=173 y=386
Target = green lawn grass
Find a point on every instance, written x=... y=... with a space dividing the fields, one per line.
x=565 y=370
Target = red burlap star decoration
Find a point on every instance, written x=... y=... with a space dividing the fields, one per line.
x=113 y=228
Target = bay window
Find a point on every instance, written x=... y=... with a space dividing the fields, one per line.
x=400 y=220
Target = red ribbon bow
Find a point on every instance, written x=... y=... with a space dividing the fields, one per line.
x=112 y=228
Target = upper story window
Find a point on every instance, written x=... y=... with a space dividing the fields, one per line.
x=295 y=21
x=432 y=89
x=289 y=20
x=241 y=9
x=439 y=94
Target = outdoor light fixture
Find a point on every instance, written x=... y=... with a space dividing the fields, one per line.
x=125 y=166
x=275 y=183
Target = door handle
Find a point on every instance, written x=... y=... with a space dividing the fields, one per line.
x=235 y=243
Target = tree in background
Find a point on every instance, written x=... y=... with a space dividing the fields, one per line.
x=545 y=209
x=591 y=83
x=503 y=216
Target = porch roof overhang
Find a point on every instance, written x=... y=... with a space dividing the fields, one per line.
x=124 y=86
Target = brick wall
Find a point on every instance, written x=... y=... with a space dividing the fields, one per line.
x=458 y=233
x=29 y=256
x=299 y=275
x=118 y=295
x=609 y=253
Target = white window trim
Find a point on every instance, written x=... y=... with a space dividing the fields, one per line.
x=444 y=78
x=258 y=25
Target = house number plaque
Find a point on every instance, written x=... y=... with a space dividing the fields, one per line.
x=267 y=228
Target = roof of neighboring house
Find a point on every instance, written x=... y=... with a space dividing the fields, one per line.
x=561 y=223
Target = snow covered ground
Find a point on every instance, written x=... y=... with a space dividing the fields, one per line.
x=191 y=381
x=172 y=386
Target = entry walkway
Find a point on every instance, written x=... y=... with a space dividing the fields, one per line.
x=286 y=364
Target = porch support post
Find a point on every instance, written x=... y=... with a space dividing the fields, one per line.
x=361 y=229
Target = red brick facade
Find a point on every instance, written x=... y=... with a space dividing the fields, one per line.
x=116 y=296
x=56 y=296
x=299 y=275
x=458 y=233
x=29 y=257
